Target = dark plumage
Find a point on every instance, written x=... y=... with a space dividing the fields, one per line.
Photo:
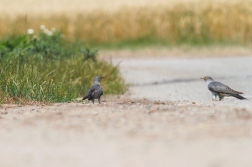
x=221 y=90
x=95 y=91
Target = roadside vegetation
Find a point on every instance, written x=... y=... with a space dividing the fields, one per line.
x=48 y=68
x=193 y=23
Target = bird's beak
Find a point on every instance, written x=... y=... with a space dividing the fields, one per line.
x=102 y=77
x=202 y=78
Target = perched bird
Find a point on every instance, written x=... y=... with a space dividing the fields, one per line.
x=221 y=90
x=95 y=92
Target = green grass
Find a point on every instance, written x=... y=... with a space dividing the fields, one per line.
x=150 y=43
x=192 y=23
x=49 y=68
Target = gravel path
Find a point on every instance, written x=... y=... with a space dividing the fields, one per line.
x=166 y=119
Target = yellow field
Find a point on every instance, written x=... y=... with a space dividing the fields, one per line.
x=45 y=7
x=112 y=20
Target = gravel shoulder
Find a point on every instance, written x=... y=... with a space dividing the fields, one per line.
x=166 y=119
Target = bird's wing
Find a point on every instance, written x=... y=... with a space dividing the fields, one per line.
x=91 y=91
x=221 y=88
x=100 y=91
x=96 y=91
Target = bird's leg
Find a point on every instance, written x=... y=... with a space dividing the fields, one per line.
x=220 y=97
x=99 y=100
x=213 y=97
x=216 y=97
x=93 y=101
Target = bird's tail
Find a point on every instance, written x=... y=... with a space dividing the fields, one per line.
x=234 y=91
x=238 y=96
x=85 y=97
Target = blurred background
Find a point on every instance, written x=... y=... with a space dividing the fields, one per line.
x=113 y=23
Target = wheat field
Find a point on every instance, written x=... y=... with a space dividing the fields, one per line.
x=103 y=21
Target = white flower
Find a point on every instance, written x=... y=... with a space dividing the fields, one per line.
x=46 y=30
x=49 y=33
x=42 y=27
x=30 y=31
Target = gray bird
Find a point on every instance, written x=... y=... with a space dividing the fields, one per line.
x=221 y=90
x=95 y=92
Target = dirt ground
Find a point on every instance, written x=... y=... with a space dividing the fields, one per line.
x=165 y=119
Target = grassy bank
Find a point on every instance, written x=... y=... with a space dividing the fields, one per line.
x=49 y=68
x=196 y=22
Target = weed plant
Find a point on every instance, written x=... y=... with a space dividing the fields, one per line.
x=47 y=67
x=196 y=23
